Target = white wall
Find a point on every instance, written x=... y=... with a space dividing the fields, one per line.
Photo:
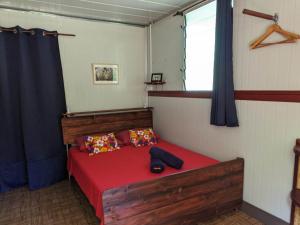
x=271 y=68
x=168 y=51
x=95 y=42
x=264 y=139
x=267 y=130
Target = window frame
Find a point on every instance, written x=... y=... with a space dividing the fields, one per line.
x=203 y=3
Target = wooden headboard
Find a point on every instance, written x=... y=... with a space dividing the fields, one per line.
x=84 y=123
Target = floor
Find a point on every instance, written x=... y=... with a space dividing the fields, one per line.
x=64 y=204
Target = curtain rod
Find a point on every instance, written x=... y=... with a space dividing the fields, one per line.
x=31 y=31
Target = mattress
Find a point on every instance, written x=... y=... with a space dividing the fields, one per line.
x=98 y=173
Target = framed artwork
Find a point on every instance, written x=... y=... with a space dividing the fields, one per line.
x=105 y=74
x=156 y=77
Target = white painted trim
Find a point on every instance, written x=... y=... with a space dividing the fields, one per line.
x=125 y=7
x=91 y=9
x=181 y=9
x=198 y=6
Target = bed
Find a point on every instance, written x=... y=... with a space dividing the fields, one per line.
x=122 y=190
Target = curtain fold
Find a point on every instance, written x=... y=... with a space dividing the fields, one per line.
x=12 y=155
x=223 y=110
x=40 y=101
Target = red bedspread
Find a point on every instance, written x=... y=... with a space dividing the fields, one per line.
x=101 y=172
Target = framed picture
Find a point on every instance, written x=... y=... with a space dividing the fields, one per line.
x=105 y=74
x=156 y=77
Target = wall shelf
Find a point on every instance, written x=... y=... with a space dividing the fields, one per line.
x=155 y=83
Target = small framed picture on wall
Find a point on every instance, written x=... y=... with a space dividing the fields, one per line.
x=105 y=73
x=156 y=77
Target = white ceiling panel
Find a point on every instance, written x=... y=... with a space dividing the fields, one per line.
x=140 y=12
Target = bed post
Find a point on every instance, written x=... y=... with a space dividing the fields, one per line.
x=67 y=149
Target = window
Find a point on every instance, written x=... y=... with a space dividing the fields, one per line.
x=200 y=47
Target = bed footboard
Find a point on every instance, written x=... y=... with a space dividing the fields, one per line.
x=183 y=198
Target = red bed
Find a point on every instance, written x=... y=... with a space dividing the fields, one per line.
x=96 y=174
x=123 y=191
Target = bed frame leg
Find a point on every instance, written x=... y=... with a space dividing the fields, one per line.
x=67 y=149
x=237 y=209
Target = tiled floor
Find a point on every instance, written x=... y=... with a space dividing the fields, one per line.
x=237 y=218
x=64 y=204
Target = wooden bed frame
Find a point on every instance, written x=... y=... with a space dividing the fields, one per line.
x=188 y=197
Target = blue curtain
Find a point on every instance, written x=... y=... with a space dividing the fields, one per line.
x=223 y=111
x=32 y=101
x=12 y=155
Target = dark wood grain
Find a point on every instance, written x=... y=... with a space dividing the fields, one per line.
x=250 y=95
x=297 y=147
x=113 y=122
x=181 y=94
x=259 y=14
x=273 y=96
x=296 y=197
x=183 y=198
x=295 y=194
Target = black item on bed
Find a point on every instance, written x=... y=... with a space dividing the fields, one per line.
x=166 y=157
x=156 y=165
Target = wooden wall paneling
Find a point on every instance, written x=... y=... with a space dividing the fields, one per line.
x=181 y=94
x=250 y=95
x=273 y=96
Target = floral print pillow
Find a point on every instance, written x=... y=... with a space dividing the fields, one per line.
x=142 y=137
x=99 y=144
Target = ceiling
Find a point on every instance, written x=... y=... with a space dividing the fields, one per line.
x=127 y=11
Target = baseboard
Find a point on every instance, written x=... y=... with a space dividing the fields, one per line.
x=262 y=216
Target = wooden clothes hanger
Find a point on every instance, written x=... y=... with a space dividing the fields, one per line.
x=258 y=43
x=289 y=37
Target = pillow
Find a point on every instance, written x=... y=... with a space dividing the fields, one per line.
x=142 y=137
x=99 y=144
x=123 y=137
x=80 y=142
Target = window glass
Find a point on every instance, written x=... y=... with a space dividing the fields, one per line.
x=200 y=47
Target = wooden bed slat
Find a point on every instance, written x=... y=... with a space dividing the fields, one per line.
x=137 y=206
x=177 y=197
x=166 y=183
x=71 y=121
x=87 y=129
x=79 y=126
